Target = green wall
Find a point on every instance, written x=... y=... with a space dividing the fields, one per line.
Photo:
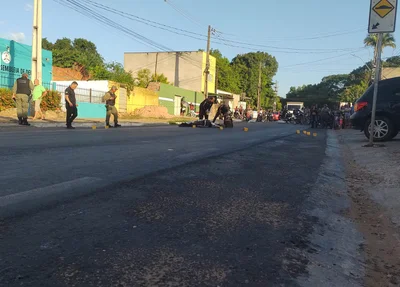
x=167 y=95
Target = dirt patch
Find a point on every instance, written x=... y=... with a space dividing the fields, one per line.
x=382 y=237
x=152 y=112
x=9 y=113
x=50 y=115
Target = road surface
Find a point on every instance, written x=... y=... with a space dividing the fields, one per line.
x=164 y=206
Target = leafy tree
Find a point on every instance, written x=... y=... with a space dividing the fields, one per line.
x=79 y=52
x=354 y=92
x=46 y=44
x=114 y=72
x=144 y=77
x=227 y=78
x=392 y=62
x=246 y=67
x=334 y=85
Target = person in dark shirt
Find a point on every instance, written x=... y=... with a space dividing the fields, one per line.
x=314 y=115
x=205 y=107
x=224 y=110
x=21 y=94
x=70 y=104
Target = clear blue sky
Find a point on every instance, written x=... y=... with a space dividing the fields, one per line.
x=305 y=27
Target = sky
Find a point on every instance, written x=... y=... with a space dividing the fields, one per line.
x=310 y=38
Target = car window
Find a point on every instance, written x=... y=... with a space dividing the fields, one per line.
x=385 y=92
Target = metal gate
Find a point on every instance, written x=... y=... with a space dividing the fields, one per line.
x=122 y=100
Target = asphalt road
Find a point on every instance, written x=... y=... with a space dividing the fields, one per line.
x=167 y=206
x=40 y=158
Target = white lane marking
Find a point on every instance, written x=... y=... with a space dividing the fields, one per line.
x=38 y=193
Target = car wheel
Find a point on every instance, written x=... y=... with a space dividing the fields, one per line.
x=383 y=129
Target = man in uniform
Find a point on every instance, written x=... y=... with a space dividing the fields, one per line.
x=205 y=107
x=21 y=94
x=70 y=104
x=109 y=99
x=223 y=110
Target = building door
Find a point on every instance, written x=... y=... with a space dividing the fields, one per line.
x=177 y=105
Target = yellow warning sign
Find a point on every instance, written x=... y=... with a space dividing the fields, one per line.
x=383 y=8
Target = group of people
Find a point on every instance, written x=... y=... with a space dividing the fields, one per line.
x=324 y=116
x=222 y=111
x=25 y=91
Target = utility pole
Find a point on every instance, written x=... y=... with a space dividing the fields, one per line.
x=216 y=79
x=207 y=70
x=155 y=68
x=37 y=41
x=376 y=84
x=259 y=89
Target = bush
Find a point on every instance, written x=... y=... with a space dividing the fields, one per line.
x=6 y=101
x=52 y=101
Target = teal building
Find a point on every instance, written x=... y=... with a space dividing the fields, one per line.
x=16 y=59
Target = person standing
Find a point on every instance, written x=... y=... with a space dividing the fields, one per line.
x=21 y=94
x=314 y=116
x=70 y=104
x=109 y=99
x=37 y=95
x=205 y=108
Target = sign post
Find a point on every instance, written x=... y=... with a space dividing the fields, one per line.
x=382 y=19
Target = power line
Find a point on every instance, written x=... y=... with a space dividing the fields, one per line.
x=315 y=37
x=319 y=60
x=87 y=11
x=183 y=13
x=90 y=13
x=218 y=36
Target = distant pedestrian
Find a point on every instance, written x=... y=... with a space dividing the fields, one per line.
x=37 y=95
x=109 y=98
x=21 y=94
x=70 y=104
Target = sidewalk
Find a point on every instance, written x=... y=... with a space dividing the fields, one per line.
x=373 y=181
x=381 y=167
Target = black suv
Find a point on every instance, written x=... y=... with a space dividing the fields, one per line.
x=387 y=123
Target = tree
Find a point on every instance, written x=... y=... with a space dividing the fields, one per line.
x=144 y=77
x=114 y=72
x=354 y=92
x=246 y=67
x=79 y=53
x=46 y=44
x=388 y=40
x=392 y=62
x=227 y=78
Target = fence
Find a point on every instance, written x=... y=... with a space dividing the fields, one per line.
x=82 y=95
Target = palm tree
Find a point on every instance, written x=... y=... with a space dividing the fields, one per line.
x=388 y=40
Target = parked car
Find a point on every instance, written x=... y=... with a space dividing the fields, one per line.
x=387 y=123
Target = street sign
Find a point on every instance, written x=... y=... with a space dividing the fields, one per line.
x=382 y=16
